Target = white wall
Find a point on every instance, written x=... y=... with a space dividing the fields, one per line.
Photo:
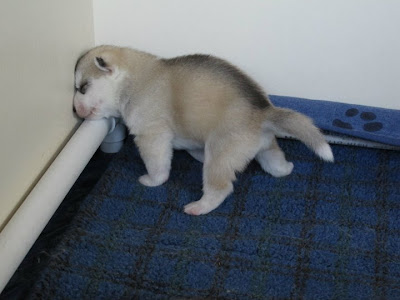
x=341 y=50
x=39 y=43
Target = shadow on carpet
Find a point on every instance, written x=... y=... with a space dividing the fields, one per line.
x=44 y=248
x=326 y=231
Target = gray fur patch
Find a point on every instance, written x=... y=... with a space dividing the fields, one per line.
x=246 y=86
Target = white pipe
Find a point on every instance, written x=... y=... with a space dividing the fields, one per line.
x=25 y=226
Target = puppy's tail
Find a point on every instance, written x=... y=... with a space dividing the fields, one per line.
x=289 y=122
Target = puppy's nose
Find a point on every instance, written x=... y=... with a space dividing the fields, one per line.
x=74 y=109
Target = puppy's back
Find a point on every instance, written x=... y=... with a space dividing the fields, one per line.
x=208 y=92
x=225 y=72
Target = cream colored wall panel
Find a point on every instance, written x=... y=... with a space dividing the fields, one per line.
x=39 y=43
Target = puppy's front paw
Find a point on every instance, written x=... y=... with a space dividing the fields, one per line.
x=197 y=208
x=148 y=181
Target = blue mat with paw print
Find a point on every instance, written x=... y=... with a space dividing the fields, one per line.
x=370 y=123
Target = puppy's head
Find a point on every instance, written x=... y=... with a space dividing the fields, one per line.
x=97 y=83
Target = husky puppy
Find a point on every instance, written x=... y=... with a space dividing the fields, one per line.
x=198 y=103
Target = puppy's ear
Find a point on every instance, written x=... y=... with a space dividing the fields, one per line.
x=107 y=63
x=102 y=65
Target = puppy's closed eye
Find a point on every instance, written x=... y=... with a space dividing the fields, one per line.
x=83 y=88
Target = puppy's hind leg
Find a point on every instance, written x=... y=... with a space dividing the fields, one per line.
x=273 y=161
x=156 y=152
x=223 y=157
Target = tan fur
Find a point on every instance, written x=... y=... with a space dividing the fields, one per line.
x=195 y=103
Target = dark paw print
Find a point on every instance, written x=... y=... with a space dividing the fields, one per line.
x=366 y=116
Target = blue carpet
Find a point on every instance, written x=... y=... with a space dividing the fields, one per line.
x=370 y=123
x=327 y=231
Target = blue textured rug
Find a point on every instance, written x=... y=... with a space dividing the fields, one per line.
x=370 y=123
x=326 y=231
